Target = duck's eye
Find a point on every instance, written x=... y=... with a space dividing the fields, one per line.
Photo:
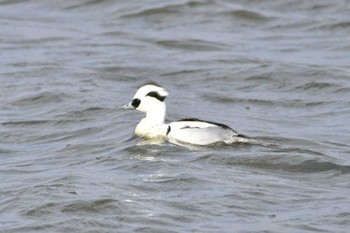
x=135 y=103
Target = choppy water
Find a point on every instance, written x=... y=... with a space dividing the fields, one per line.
x=277 y=71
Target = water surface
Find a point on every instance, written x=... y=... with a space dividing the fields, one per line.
x=277 y=71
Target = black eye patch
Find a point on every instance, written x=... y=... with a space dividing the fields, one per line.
x=156 y=95
x=135 y=103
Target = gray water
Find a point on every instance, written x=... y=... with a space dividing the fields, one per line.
x=276 y=71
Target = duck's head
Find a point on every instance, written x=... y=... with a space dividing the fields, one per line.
x=148 y=98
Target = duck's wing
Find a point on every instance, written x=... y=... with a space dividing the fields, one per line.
x=200 y=132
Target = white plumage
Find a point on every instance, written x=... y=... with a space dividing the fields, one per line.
x=150 y=99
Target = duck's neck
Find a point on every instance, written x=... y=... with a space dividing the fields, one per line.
x=156 y=116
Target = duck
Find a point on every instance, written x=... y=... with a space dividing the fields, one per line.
x=150 y=99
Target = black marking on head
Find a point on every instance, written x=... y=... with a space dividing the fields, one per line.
x=156 y=95
x=209 y=122
x=135 y=102
x=168 y=130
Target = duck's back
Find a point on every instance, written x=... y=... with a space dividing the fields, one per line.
x=198 y=132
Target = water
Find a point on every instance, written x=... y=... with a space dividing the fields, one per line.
x=277 y=71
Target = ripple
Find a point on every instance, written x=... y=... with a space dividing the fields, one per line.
x=248 y=15
x=69 y=162
x=38 y=99
x=288 y=163
x=319 y=86
x=38 y=41
x=25 y=123
x=220 y=98
x=83 y=114
x=192 y=45
x=5 y=2
x=293 y=103
x=85 y=3
x=163 y=8
x=169 y=9
x=64 y=136
x=338 y=26
x=93 y=206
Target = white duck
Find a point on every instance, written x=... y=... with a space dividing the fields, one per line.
x=150 y=99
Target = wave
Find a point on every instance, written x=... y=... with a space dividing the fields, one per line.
x=38 y=99
x=163 y=8
x=291 y=103
x=338 y=26
x=315 y=85
x=277 y=154
x=293 y=161
x=305 y=166
x=192 y=45
x=247 y=15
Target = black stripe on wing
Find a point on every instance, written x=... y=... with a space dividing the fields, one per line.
x=209 y=122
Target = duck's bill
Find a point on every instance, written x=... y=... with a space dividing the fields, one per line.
x=127 y=107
